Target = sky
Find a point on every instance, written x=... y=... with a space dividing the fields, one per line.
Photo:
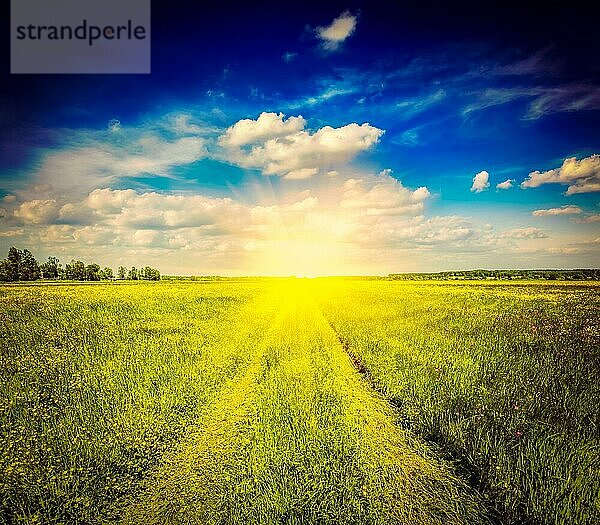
x=317 y=138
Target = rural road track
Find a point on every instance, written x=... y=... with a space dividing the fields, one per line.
x=298 y=436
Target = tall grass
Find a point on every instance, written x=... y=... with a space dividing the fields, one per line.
x=97 y=382
x=504 y=378
x=273 y=401
x=302 y=439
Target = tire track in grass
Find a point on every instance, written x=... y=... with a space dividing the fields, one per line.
x=409 y=483
x=301 y=438
x=181 y=490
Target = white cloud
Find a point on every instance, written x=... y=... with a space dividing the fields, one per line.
x=480 y=182
x=568 y=209
x=355 y=222
x=266 y=126
x=37 y=211
x=283 y=147
x=302 y=173
x=581 y=176
x=89 y=162
x=366 y=223
x=156 y=156
x=445 y=229
x=383 y=195
x=333 y=35
x=506 y=185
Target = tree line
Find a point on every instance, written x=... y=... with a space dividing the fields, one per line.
x=549 y=275
x=21 y=265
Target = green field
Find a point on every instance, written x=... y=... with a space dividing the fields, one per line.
x=300 y=401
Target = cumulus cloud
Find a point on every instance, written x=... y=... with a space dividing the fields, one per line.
x=568 y=209
x=506 y=185
x=580 y=176
x=266 y=126
x=383 y=195
x=67 y=205
x=37 y=211
x=283 y=147
x=480 y=182
x=450 y=230
x=334 y=35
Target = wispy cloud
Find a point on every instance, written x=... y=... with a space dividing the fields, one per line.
x=413 y=106
x=563 y=99
x=497 y=96
x=540 y=63
x=334 y=90
x=544 y=100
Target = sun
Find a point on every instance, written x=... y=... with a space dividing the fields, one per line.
x=301 y=258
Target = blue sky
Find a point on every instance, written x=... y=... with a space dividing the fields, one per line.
x=327 y=138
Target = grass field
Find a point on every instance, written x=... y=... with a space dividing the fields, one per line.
x=300 y=401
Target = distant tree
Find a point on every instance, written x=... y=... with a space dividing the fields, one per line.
x=150 y=274
x=13 y=262
x=51 y=268
x=92 y=272
x=5 y=270
x=30 y=269
x=19 y=266
x=75 y=271
x=133 y=274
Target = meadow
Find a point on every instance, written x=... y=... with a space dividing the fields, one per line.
x=300 y=401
